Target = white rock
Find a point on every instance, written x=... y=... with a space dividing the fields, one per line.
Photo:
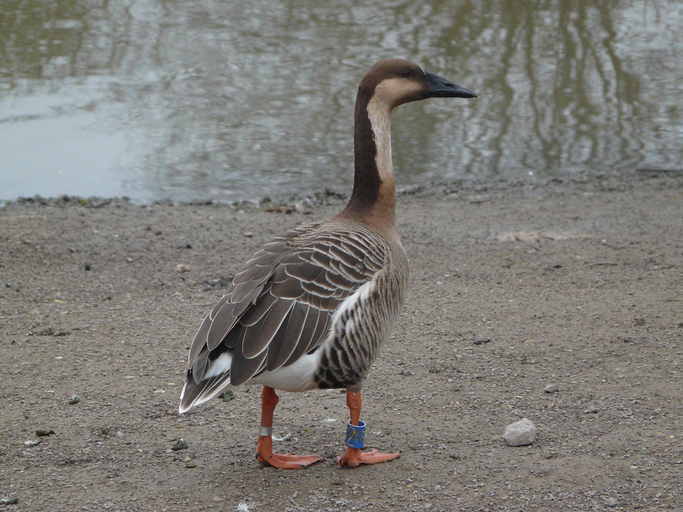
x=551 y=388
x=520 y=433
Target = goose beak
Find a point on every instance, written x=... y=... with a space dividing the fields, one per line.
x=439 y=87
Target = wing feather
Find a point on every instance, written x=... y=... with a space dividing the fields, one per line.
x=200 y=338
x=259 y=310
x=307 y=334
x=287 y=339
x=224 y=320
x=306 y=330
x=259 y=336
x=247 y=291
x=244 y=368
x=217 y=307
x=258 y=272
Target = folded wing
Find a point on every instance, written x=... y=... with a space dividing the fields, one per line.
x=280 y=306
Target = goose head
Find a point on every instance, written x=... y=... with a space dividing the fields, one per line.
x=388 y=84
x=398 y=81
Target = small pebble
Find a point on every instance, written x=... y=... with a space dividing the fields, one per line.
x=611 y=502
x=182 y=268
x=520 y=433
x=32 y=442
x=481 y=341
x=180 y=444
x=248 y=234
x=74 y=399
x=9 y=501
x=591 y=409
x=551 y=388
x=87 y=267
x=44 y=432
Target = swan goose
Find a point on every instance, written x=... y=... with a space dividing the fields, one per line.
x=312 y=307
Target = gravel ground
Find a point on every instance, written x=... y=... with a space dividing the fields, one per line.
x=558 y=303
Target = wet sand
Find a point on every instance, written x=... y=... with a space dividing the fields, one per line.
x=513 y=288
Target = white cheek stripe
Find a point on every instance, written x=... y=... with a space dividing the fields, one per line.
x=380 y=121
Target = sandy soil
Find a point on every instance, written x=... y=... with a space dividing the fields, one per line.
x=514 y=288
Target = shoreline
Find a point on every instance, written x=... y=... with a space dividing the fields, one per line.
x=319 y=197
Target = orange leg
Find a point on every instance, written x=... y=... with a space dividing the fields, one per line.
x=264 y=447
x=353 y=457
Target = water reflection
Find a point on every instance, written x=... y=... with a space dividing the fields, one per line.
x=232 y=100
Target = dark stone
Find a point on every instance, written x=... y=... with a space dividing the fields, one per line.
x=180 y=444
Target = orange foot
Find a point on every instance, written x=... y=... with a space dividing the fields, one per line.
x=287 y=460
x=265 y=455
x=354 y=457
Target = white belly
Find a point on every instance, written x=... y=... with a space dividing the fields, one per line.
x=295 y=377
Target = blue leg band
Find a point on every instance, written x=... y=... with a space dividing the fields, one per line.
x=355 y=435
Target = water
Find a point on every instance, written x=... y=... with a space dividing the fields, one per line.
x=227 y=100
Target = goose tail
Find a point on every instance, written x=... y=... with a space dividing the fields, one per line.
x=196 y=393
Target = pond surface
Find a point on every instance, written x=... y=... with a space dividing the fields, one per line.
x=227 y=100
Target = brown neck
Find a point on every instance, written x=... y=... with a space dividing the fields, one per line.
x=373 y=197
